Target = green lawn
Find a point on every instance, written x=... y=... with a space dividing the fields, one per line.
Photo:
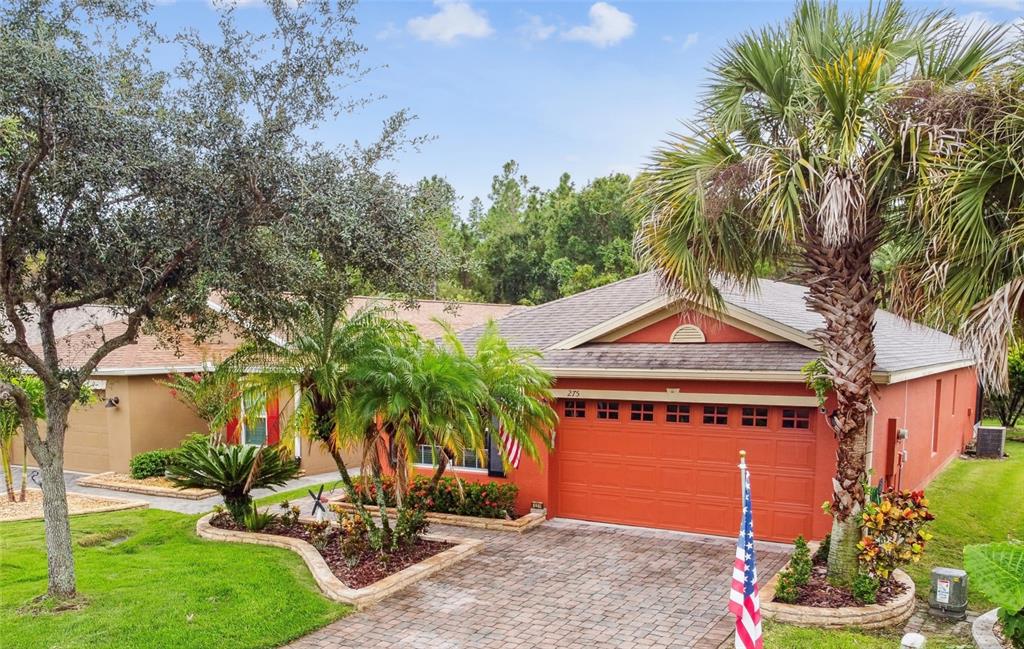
x=300 y=496
x=149 y=581
x=791 y=637
x=974 y=501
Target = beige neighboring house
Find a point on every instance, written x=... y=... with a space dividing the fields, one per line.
x=134 y=413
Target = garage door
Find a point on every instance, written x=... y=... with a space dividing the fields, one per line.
x=673 y=466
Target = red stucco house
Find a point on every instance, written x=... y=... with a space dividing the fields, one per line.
x=655 y=403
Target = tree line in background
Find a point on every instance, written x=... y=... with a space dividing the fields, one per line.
x=531 y=245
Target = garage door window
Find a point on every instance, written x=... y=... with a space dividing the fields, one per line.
x=796 y=418
x=716 y=415
x=607 y=409
x=754 y=417
x=676 y=413
x=575 y=408
x=641 y=412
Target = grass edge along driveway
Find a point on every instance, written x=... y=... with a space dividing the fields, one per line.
x=149 y=581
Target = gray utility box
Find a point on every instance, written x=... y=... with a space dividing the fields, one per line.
x=948 y=594
x=990 y=441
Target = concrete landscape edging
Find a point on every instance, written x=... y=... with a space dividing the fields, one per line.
x=329 y=584
x=983 y=631
x=518 y=525
x=99 y=481
x=872 y=616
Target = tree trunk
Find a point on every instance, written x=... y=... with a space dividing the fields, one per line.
x=843 y=289
x=442 y=464
x=49 y=455
x=24 y=469
x=5 y=457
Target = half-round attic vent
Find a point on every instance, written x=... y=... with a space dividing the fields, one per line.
x=687 y=333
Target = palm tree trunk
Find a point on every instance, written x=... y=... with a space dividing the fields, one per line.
x=442 y=464
x=5 y=458
x=843 y=289
x=24 y=469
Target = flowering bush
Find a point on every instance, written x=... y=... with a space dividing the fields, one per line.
x=894 y=532
x=487 y=500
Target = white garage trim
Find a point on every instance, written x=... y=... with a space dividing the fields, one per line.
x=688 y=397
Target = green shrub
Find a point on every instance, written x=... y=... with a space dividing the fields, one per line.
x=997 y=569
x=487 y=499
x=232 y=470
x=800 y=564
x=410 y=524
x=254 y=520
x=786 y=590
x=865 y=589
x=821 y=554
x=150 y=464
x=354 y=538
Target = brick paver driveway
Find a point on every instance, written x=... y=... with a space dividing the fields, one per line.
x=565 y=584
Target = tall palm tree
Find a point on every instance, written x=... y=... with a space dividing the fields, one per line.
x=801 y=153
x=960 y=263
x=318 y=358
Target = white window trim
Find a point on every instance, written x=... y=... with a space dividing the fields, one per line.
x=245 y=426
x=451 y=465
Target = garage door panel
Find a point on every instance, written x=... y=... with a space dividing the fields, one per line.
x=678 y=446
x=761 y=451
x=720 y=483
x=717 y=447
x=796 y=491
x=677 y=480
x=684 y=476
x=796 y=453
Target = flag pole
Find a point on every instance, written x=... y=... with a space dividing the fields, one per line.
x=743 y=469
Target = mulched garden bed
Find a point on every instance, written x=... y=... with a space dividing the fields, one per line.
x=821 y=594
x=369 y=569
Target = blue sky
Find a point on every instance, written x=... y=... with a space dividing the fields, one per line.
x=583 y=87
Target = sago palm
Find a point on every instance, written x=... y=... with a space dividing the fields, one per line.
x=801 y=154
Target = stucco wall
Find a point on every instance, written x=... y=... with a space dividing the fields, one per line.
x=912 y=405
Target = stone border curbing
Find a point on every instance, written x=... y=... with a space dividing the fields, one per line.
x=873 y=616
x=983 y=631
x=98 y=482
x=518 y=525
x=333 y=587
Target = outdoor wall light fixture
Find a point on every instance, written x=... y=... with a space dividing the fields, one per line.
x=112 y=402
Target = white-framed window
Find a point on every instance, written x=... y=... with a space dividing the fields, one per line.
x=425 y=456
x=254 y=425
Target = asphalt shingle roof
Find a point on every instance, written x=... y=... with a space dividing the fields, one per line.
x=901 y=345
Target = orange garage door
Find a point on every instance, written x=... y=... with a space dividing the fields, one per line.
x=674 y=466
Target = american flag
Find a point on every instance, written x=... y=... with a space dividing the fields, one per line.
x=744 y=601
x=513 y=449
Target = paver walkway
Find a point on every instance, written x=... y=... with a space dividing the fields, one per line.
x=565 y=584
x=180 y=505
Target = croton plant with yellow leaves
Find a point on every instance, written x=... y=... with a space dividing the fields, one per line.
x=894 y=532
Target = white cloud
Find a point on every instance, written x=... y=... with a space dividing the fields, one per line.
x=691 y=40
x=1009 y=5
x=389 y=31
x=535 y=29
x=977 y=21
x=607 y=26
x=454 y=20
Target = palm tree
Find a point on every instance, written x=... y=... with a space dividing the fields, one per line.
x=518 y=393
x=318 y=358
x=416 y=393
x=802 y=153
x=960 y=264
